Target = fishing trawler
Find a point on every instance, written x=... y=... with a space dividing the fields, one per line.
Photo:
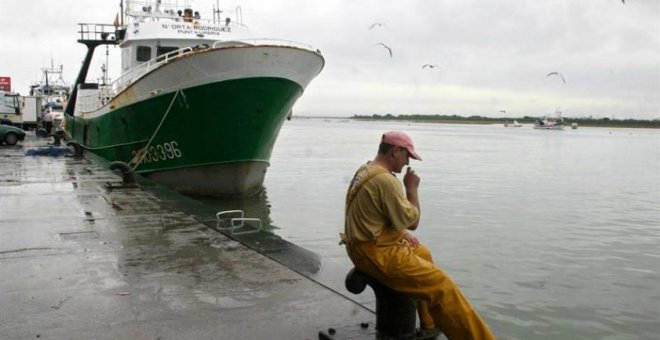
x=550 y=122
x=53 y=92
x=198 y=106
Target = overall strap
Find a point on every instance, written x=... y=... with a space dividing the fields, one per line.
x=350 y=196
x=352 y=193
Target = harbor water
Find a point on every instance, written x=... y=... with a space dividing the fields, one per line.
x=550 y=234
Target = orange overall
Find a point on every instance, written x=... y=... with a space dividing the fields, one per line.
x=390 y=259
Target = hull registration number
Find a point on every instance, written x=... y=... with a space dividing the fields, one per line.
x=159 y=152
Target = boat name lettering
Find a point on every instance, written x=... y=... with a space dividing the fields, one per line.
x=159 y=152
x=192 y=29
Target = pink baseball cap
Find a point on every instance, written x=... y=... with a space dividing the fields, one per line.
x=399 y=138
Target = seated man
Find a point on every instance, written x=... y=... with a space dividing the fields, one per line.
x=378 y=215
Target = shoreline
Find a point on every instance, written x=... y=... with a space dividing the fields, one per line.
x=497 y=121
x=488 y=122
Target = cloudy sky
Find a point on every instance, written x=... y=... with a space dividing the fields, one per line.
x=491 y=55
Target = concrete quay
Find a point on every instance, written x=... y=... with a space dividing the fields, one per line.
x=80 y=260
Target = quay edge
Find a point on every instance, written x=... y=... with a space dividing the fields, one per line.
x=79 y=261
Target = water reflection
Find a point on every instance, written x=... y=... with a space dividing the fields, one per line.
x=256 y=206
x=155 y=249
x=204 y=209
x=265 y=241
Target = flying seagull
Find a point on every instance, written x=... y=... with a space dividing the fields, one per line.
x=387 y=47
x=557 y=74
x=429 y=66
x=503 y=111
x=377 y=24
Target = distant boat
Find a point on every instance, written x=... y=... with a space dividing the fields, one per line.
x=550 y=122
x=574 y=126
x=53 y=91
x=514 y=124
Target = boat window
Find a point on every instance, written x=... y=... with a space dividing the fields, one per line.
x=143 y=53
x=124 y=58
x=160 y=50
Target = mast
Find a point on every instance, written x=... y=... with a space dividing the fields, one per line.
x=46 y=75
x=216 y=11
x=97 y=34
x=105 y=68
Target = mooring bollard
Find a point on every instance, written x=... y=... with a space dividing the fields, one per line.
x=396 y=314
x=77 y=149
x=57 y=139
x=128 y=175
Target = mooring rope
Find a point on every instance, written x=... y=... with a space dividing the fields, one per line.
x=140 y=155
x=137 y=159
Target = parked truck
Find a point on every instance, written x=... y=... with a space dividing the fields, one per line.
x=24 y=112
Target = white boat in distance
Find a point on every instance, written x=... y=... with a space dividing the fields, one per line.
x=514 y=124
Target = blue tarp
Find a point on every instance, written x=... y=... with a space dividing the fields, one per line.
x=51 y=151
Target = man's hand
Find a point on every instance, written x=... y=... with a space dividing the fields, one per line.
x=410 y=179
x=411 y=182
x=411 y=239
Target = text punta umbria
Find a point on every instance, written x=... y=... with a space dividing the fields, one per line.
x=184 y=29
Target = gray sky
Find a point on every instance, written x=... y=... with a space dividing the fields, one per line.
x=492 y=55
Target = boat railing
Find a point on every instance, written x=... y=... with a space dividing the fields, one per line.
x=263 y=42
x=129 y=77
x=126 y=79
x=97 y=33
x=91 y=102
x=95 y=101
x=88 y=103
x=173 y=10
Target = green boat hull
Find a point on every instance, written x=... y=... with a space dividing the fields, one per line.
x=214 y=139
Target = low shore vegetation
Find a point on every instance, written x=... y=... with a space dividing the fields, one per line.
x=455 y=119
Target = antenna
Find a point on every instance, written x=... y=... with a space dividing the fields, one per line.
x=239 y=15
x=46 y=70
x=216 y=11
x=105 y=68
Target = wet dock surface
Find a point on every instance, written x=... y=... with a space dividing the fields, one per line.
x=81 y=261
